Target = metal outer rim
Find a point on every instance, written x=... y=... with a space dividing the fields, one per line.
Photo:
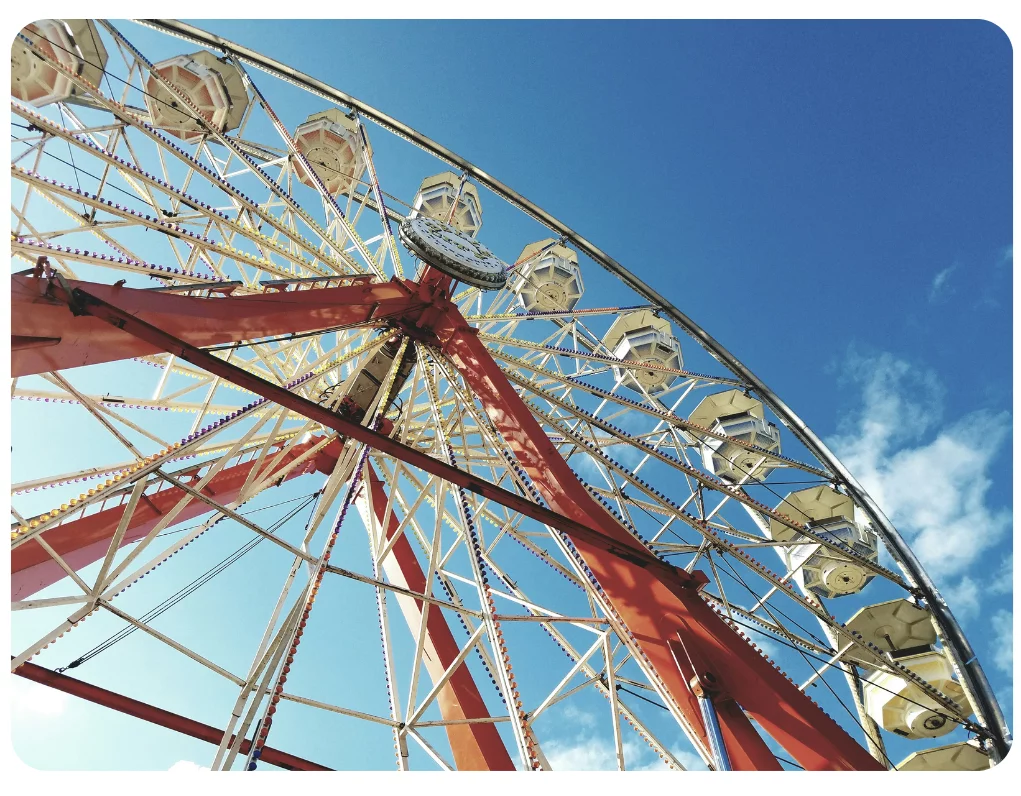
x=973 y=677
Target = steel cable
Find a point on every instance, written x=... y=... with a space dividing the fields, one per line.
x=190 y=588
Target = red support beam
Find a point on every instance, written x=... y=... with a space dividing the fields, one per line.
x=640 y=557
x=155 y=715
x=655 y=599
x=82 y=541
x=476 y=747
x=654 y=608
x=739 y=736
x=49 y=338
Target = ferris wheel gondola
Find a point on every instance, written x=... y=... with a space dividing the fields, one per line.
x=556 y=498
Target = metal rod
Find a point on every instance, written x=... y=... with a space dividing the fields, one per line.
x=92 y=305
x=712 y=725
x=155 y=715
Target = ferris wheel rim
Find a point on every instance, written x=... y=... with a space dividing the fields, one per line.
x=964 y=659
x=604 y=261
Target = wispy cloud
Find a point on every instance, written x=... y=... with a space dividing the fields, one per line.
x=772 y=648
x=580 y=748
x=591 y=753
x=964 y=597
x=691 y=761
x=28 y=698
x=940 y=283
x=585 y=465
x=186 y=767
x=582 y=753
x=1003 y=581
x=991 y=287
x=1003 y=633
x=581 y=718
x=931 y=479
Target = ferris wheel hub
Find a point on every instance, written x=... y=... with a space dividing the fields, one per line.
x=425 y=361
x=453 y=253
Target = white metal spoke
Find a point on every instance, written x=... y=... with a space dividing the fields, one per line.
x=196 y=176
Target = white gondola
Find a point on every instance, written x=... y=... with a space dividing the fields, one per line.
x=550 y=281
x=332 y=145
x=436 y=195
x=823 y=570
x=829 y=514
x=741 y=417
x=213 y=85
x=900 y=705
x=906 y=631
x=963 y=756
x=73 y=43
x=897 y=626
x=642 y=337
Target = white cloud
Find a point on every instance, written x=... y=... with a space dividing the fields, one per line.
x=964 y=598
x=581 y=718
x=1003 y=581
x=584 y=464
x=768 y=645
x=28 y=697
x=900 y=402
x=691 y=761
x=186 y=767
x=1003 y=636
x=627 y=455
x=1005 y=695
x=590 y=753
x=940 y=284
x=763 y=640
x=585 y=751
x=581 y=754
x=933 y=487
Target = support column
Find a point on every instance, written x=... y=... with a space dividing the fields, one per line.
x=476 y=747
x=653 y=609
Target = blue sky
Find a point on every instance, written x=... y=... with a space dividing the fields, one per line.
x=831 y=201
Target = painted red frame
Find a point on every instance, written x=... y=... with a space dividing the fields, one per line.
x=656 y=601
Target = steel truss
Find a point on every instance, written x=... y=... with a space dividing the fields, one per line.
x=481 y=449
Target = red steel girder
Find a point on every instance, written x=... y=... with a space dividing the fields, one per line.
x=82 y=541
x=48 y=338
x=653 y=608
x=475 y=747
x=155 y=715
x=738 y=733
x=87 y=303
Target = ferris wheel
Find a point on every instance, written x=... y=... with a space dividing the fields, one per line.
x=368 y=456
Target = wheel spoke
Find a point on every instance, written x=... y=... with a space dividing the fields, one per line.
x=561 y=493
